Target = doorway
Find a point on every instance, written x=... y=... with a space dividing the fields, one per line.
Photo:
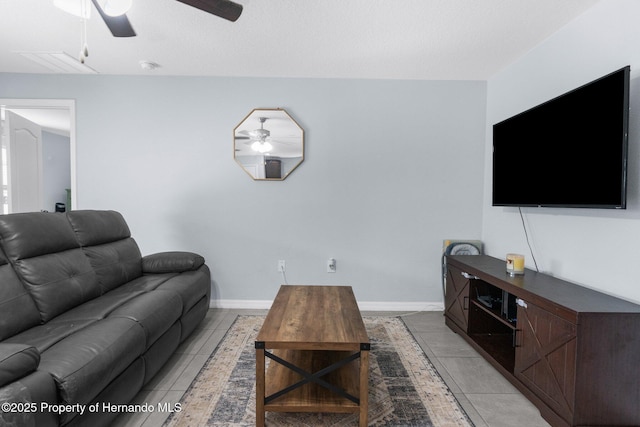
x=38 y=169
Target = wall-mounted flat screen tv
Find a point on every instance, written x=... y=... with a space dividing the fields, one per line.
x=570 y=151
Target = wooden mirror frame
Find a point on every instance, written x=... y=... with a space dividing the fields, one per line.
x=264 y=127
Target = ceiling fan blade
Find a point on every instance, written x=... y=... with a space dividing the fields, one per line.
x=118 y=25
x=223 y=8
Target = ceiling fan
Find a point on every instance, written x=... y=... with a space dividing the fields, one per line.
x=113 y=12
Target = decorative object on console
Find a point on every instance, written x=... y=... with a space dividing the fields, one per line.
x=270 y=153
x=457 y=247
x=515 y=264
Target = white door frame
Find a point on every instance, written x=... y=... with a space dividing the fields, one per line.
x=55 y=103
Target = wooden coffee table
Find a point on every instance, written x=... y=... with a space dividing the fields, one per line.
x=314 y=336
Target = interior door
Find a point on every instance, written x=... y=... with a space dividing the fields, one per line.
x=24 y=174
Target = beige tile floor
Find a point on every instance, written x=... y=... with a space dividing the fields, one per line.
x=488 y=398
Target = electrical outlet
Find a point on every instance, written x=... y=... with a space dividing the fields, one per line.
x=281 y=266
x=331 y=265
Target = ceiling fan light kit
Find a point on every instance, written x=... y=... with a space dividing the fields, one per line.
x=260 y=135
x=261 y=146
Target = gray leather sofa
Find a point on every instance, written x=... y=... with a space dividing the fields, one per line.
x=85 y=320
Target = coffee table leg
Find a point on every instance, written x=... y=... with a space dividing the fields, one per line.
x=260 y=386
x=364 y=388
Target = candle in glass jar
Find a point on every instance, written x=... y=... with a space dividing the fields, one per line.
x=515 y=264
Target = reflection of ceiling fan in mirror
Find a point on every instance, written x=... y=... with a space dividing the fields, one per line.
x=113 y=12
x=260 y=138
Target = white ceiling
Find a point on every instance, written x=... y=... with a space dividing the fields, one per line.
x=377 y=39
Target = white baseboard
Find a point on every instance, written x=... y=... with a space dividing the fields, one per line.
x=240 y=303
x=364 y=305
x=400 y=306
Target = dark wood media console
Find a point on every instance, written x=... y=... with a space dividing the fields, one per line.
x=570 y=350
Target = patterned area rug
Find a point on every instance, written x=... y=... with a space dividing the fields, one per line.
x=404 y=387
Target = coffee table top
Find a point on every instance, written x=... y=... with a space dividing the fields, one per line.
x=314 y=318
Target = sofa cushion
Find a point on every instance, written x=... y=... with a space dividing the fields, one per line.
x=191 y=286
x=97 y=227
x=98 y=308
x=189 y=320
x=84 y=363
x=17 y=361
x=44 y=336
x=106 y=241
x=115 y=263
x=46 y=256
x=144 y=283
x=18 y=312
x=120 y=391
x=101 y=307
x=27 y=235
x=161 y=350
x=59 y=281
x=155 y=311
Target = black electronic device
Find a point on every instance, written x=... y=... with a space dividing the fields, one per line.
x=509 y=307
x=570 y=151
x=486 y=299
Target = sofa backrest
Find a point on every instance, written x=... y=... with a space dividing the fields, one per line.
x=18 y=311
x=106 y=240
x=46 y=256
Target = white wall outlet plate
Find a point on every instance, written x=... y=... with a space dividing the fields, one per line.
x=331 y=265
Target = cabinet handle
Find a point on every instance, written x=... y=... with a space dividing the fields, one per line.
x=469 y=276
x=521 y=302
x=465 y=303
x=516 y=342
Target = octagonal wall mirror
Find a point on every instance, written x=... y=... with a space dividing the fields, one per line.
x=268 y=144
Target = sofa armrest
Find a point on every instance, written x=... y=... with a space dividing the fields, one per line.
x=17 y=361
x=171 y=262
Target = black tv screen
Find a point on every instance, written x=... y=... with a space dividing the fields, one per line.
x=570 y=151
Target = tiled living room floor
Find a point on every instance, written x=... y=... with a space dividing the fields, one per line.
x=488 y=398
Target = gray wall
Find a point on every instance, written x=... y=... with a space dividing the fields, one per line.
x=596 y=248
x=391 y=169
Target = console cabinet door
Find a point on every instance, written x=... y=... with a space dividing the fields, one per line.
x=546 y=358
x=456 y=301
